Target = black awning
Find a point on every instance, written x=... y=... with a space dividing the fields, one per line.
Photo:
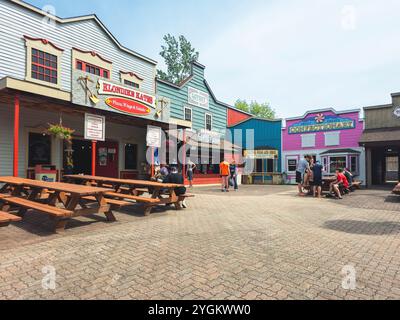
x=337 y=151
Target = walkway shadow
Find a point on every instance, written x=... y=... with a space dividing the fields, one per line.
x=363 y=227
x=393 y=199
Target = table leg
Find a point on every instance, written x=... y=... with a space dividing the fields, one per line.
x=103 y=203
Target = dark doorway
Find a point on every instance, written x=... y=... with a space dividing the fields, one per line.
x=82 y=156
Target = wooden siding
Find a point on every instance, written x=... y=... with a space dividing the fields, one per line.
x=179 y=99
x=17 y=21
x=381 y=118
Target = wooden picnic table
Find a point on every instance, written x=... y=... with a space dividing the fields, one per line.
x=156 y=190
x=27 y=193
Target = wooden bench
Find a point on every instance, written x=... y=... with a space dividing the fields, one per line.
x=356 y=185
x=186 y=195
x=6 y=218
x=130 y=197
x=396 y=190
x=112 y=202
x=25 y=205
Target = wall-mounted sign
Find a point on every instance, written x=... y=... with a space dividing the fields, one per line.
x=396 y=112
x=153 y=137
x=95 y=127
x=198 y=98
x=128 y=106
x=322 y=122
x=109 y=88
x=261 y=154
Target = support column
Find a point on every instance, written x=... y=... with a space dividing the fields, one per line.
x=94 y=152
x=184 y=155
x=152 y=162
x=16 y=136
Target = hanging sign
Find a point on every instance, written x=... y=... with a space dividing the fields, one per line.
x=109 y=88
x=261 y=154
x=95 y=127
x=153 y=137
x=128 y=106
x=198 y=98
x=322 y=123
x=396 y=112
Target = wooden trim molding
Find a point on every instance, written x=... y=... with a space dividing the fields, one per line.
x=132 y=77
x=93 y=54
x=131 y=74
x=45 y=46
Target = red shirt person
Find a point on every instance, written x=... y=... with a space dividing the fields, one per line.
x=341 y=178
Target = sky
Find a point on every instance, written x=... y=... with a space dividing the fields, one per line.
x=297 y=55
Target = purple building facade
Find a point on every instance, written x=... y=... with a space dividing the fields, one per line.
x=330 y=136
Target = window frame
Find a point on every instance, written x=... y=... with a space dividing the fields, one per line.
x=295 y=158
x=335 y=157
x=45 y=46
x=205 y=121
x=85 y=65
x=130 y=83
x=307 y=136
x=331 y=134
x=47 y=64
x=184 y=113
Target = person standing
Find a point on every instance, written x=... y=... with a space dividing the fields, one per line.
x=224 y=173
x=302 y=168
x=233 y=170
x=176 y=178
x=317 y=179
x=190 y=172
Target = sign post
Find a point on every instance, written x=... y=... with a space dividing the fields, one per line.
x=95 y=131
x=153 y=140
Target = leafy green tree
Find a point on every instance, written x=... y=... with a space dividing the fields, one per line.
x=178 y=55
x=260 y=110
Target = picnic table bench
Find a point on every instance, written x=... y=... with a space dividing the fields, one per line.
x=6 y=218
x=64 y=200
x=126 y=189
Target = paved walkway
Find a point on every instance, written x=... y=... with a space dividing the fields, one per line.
x=258 y=243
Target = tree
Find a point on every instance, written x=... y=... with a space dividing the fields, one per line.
x=178 y=56
x=260 y=110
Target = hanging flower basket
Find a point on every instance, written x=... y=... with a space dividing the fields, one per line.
x=60 y=132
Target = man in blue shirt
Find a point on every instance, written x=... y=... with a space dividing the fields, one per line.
x=317 y=182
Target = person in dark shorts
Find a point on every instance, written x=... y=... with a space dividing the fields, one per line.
x=317 y=179
x=176 y=178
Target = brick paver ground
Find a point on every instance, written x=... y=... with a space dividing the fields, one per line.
x=258 y=243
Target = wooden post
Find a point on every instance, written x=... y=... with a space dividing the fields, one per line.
x=152 y=162
x=16 y=135
x=94 y=147
x=184 y=155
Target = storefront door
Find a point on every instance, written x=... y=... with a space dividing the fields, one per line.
x=107 y=159
x=392 y=169
x=82 y=156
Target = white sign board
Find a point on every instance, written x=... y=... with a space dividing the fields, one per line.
x=198 y=98
x=153 y=137
x=397 y=112
x=95 y=127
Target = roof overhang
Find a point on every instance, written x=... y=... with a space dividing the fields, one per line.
x=390 y=135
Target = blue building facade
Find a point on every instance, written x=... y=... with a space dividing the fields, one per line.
x=266 y=150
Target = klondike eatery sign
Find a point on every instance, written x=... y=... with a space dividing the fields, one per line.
x=322 y=123
x=109 y=88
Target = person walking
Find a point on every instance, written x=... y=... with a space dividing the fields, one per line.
x=233 y=170
x=224 y=173
x=302 y=168
x=190 y=172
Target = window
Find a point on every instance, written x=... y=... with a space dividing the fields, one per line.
x=337 y=163
x=292 y=165
x=208 y=122
x=270 y=165
x=131 y=84
x=332 y=139
x=188 y=114
x=131 y=157
x=259 y=166
x=44 y=66
x=354 y=164
x=39 y=152
x=89 y=68
x=308 y=141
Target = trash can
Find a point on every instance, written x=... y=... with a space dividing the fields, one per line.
x=46 y=173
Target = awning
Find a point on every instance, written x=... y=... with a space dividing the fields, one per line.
x=384 y=135
x=340 y=151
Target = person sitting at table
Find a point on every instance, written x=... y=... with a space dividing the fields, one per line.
x=176 y=178
x=339 y=183
x=349 y=176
